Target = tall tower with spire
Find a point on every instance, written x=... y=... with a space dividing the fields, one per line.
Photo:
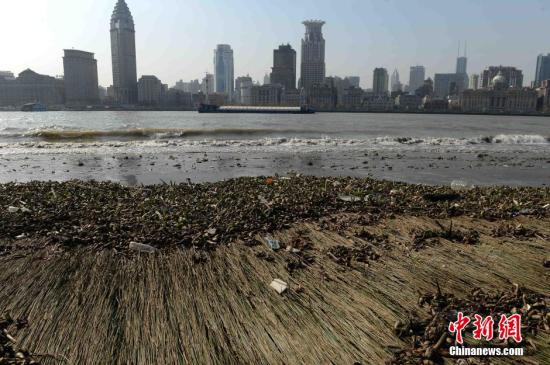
x=123 y=53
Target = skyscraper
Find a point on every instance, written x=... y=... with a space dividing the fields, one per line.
x=461 y=69
x=395 y=83
x=243 y=84
x=380 y=81
x=543 y=69
x=123 y=53
x=354 y=81
x=461 y=65
x=207 y=85
x=80 y=75
x=416 y=78
x=313 y=54
x=224 y=70
x=449 y=84
x=474 y=81
x=284 y=67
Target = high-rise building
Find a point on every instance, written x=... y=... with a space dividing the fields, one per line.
x=394 y=82
x=267 y=79
x=243 y=85
x=513 y=76
x=224 y=70
x=150 y=90
x=380 y=81
x=474 y=82
x=123 y=53
x=461 y=70
x=461 y=65
x=284 y=67
x=207 y=85
x=448 y=84
x=81 y=86
x=543 y=69
x=416 y=78
x=354 y=81
x=313 y=55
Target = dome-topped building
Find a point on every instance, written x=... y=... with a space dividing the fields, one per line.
x=499 y=82
x=499 y=98
x=123 y=53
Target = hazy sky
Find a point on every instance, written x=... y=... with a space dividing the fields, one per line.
x=175 y=38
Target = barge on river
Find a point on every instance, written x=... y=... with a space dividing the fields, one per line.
x=208 y=108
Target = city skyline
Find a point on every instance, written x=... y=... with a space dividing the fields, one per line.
x=159 y=54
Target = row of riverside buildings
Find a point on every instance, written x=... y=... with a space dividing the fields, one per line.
x=498 y=89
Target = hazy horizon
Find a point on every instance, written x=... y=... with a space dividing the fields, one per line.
x=175 y=40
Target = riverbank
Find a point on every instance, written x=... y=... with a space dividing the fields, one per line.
x=154 y=163
x=355 y=254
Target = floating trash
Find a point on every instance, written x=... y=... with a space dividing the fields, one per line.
x=349 y=198
x=279 y=286
x=273 y=243
x=141 y=247
x=459 y=185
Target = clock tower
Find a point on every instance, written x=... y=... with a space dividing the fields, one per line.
x=123 y=54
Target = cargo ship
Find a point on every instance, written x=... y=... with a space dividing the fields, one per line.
x=209 y=108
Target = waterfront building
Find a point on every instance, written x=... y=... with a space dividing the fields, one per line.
x=544 y=97
x=313 y=55
x=542 y=71
x=354 y=81
x=340 y=85
x=499 y=98
x=224 y=70
x=352 y=97
x=243 y=90
x=427 y=89
x=407 y=102
x=123 y=53
x=80 y=75
x=176 y=98
x=7 y=75
x=207 y=85
x=322 y=96
x=150 y=90
x=435 y=105
x=266 y=95
x=513 y=76
x=284 y=67
x=192 y=86
x=416 y=78
x=379 y=102
x=291 y=97
x=31 y=87
x=449 y=84
x=380 y=81
x=396 y=85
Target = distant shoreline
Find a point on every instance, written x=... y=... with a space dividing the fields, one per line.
x=319 y=111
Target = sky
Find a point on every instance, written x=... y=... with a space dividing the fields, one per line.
x=175 y=39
